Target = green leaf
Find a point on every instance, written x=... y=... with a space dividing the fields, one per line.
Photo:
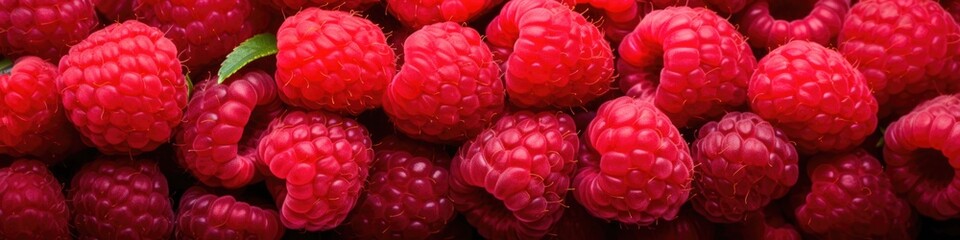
x=5 y=65
x=256 y=47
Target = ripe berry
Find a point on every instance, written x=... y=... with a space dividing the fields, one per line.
x=44 y=28
x=416 y=14
x=205 y=215
x=33 y=205
x=769 y=24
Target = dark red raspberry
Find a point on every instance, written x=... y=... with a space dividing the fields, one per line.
x=123 y=88
x=814 y=96
x=223 y=125
x=33 y=206
x=292 y=6
x=769 y=24
x=511 y=180
x=744 y=163
x=577 y=224
x=417 y=148
x=449 y=88
x=619 y=17
x=688 y=226
x=644 y=167
x=321 y=161
x=44 y=28
x=416 y=13
x=851 y=198
x=332 y=60
x=906 y=49
x=121 y=198
x=767 y=224
x=923 y=157
x=726 y=7
x=699 y=61
x=406 y=197
x=32 y=122
x=551 y=56
x=205 y=215
x=205 y=31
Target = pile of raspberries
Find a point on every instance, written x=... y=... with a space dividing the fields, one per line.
x=479 y=119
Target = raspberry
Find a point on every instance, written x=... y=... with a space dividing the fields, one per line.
x=744 y=164
x=953 y=7
x=417 y=148
x=416 y=14
x=511 y=180
x=771 y=23
x=31 y=121
x=406 y=198
x=903 y=66
x=117 y=10
x=852 y=198
x=551 y=56
x=322 y=160
x=223 y=125
x=767 y=224
x=577 y=223
x=44 y=28
x=726 y=7
x=292 y=6
x=449 y=89
x=331 y=60
x=121 y=198
x=688 y=225
x=33 y=207
x=644 y=169
x=699 y=61
x=123 y=88
x=814 y=96
x=619 y=17
x=923 y=157
x=204 y=31
x=205 y=215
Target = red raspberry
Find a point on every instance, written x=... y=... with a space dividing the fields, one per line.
x=331 y=60
x=551 y=56
x=688 y=225
x=577 y=224
x=121 y=198
x=223 y=126
x=698 y=59
x=417 y=148
x=205 y=31
x=727 y=7
x=769 y=24
x=205 y=215
x=449 y=89
x=44 y=28
x=406 y=197
x=416 y=13
x=767 y=224
x=292 y=6
x=851 y=198
x=744 y=163
x=619 y=17
x=123 y=88
x=644 y=169
x=31 y=121
x=33 y=206
x=923 y=157
x=323 y=161
x=814 y=96
x=904 y=66
x=511 y=180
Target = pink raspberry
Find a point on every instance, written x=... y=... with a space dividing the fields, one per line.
x=903 y=66
x=205 y=31
x=292 y=6
x=817 y=98
x=320 y=161
x=130 y=97
x=44 y=28
x=643 y=170
x=922 y=154
x=744 y=163
x=551 y=56
x=121 y=198
x=332 y=60
x=449 y=89
x=771 y=23
x=510 y=181
x=406 y=196
x=32 y=122
x=767 y=224
x=851 y=198
x=698 y=60
x=33 y=205
x=416 y=13
x=223 y=125
x=687 y=225
x=205 y=215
